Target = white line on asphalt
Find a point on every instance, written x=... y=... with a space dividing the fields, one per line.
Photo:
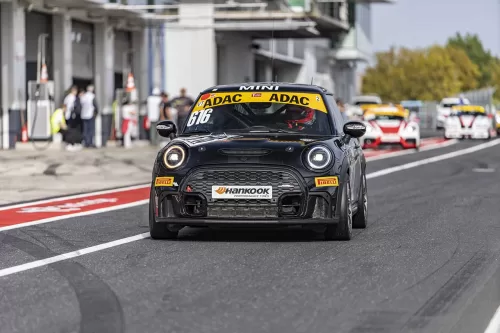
x=76 y=196
x=70 y=255
x=494 y=326
x=412 y=151
x=63 y=217
x=432 y=159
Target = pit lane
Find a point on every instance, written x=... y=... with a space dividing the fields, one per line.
x=430 y=248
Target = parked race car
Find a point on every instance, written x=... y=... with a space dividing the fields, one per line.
x=389 y=126
x=468 y=121
x=260 y=153
x=444 y=109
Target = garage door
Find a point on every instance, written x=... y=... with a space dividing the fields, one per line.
x=123 y=44
x=82 y=35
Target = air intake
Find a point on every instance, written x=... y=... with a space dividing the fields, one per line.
x=244 y=152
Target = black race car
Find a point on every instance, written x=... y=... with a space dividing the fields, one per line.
x=261 y=153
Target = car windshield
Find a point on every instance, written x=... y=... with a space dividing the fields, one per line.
x=388 y=117
x=358 y=103
x=467 y=113
x=265 y=112
x=448 y=105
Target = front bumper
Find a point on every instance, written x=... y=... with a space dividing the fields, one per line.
x=295 y=200
x=467 y=133
x=373 y=142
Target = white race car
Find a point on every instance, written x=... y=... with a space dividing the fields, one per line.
x=356 y=109
x=468 y=121
x=389 y=126
x=444 y=109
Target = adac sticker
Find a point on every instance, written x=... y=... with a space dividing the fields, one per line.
x=314 y=101
x=332 y=181
x=164 y=181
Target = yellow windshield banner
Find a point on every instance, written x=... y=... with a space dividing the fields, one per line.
x=469 y=108
x=313 y=101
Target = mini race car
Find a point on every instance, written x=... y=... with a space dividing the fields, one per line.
x=468 y=121
x=388 y=125
x=260 y=154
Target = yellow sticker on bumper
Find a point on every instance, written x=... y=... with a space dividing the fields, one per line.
x=164 y=181
x=326 y=181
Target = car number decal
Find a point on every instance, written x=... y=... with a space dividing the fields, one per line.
x=201 y=117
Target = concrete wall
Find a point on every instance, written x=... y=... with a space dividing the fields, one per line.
x=190 y=50
x=235 y=59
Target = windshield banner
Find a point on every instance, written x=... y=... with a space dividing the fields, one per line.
x=313 y=101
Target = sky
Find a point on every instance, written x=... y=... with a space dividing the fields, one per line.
x=420 y=23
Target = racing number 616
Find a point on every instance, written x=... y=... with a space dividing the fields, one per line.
x=200 y=117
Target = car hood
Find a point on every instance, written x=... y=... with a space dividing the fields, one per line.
x=251 y=149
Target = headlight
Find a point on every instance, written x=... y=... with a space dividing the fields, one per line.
x=319 y=157
x=174 y=157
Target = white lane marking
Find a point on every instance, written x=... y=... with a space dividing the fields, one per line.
x=494 y=325
x=63 y=217
x=76 y=196
x=412 y=151
x=432 y=159
x=70 y=255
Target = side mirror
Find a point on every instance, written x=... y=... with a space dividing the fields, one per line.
x=166 y=128
x=353 y=129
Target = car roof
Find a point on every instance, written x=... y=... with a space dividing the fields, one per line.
x=283 y=86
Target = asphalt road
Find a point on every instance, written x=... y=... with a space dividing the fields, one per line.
x=427 y=263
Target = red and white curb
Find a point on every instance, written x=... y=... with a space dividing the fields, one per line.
x=44 y=211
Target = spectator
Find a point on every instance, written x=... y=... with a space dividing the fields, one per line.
x=182 y=104
x=69 y=101
x=165 y=108
x=58 y=123
x=74 y=124
x=89 y=113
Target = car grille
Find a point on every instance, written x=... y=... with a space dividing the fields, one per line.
x=282 y=181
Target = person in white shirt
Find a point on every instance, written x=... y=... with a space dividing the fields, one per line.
x=69 y=101
x=89 y=112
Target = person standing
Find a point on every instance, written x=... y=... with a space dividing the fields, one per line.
x=153 y=107
x=89 y=113
x=69 y=101
x=167 y=112
x=74 y=124
x=182 y=103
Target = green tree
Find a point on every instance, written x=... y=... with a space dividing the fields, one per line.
x=467 y=72
x=476 y=52
x=425 y=74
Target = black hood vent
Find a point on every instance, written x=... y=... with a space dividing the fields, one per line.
x=244 y=152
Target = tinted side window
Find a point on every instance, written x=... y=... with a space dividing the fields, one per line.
x=338 y=117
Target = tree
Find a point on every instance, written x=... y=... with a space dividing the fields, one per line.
x=425 y=74
x=467 y=72
x=476 y=52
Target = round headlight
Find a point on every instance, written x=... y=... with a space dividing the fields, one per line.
x=319 y=157
x=174 y=157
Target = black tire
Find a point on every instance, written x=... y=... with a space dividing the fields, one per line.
x=343 y=229
x=158 y=230
x=360 y=220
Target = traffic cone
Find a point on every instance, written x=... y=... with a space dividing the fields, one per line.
x=130 y=83
x=45 y=75
x=24 y=134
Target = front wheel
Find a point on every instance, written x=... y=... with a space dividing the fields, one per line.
x=158 y=230
x=343 y=229
x=360 y=220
